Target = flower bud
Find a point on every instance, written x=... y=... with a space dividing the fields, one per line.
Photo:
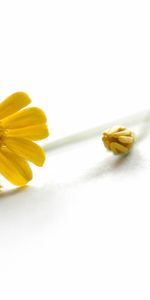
x=118 y=139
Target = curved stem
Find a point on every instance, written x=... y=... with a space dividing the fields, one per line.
x=145 y=128
x=96 y=131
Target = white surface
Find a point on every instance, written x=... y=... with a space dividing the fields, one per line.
x=81 y=229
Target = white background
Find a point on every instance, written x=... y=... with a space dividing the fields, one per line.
x=81 y=229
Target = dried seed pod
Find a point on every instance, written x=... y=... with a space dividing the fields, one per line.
x=118 y=139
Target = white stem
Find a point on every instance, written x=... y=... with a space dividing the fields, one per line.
x=96 y=131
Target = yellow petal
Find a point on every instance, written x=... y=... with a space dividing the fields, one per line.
x=125 y=132
x=13 y=103
x=25 y=118
x=126 y=139
x=14 y=168
x=26 y=149
x=34 y=133
x=118 y=148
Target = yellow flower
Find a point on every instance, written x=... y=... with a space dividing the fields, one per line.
x=118 y=139
x=18 y=129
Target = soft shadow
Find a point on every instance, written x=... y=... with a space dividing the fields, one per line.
x=30 y=207
x=112 y=164
x=126 y=163
x=33 y=207
x=14 y=191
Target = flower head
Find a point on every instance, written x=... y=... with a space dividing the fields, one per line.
x=18 y=129
x=118 y=139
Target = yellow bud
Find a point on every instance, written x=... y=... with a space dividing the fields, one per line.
x=118 y=139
